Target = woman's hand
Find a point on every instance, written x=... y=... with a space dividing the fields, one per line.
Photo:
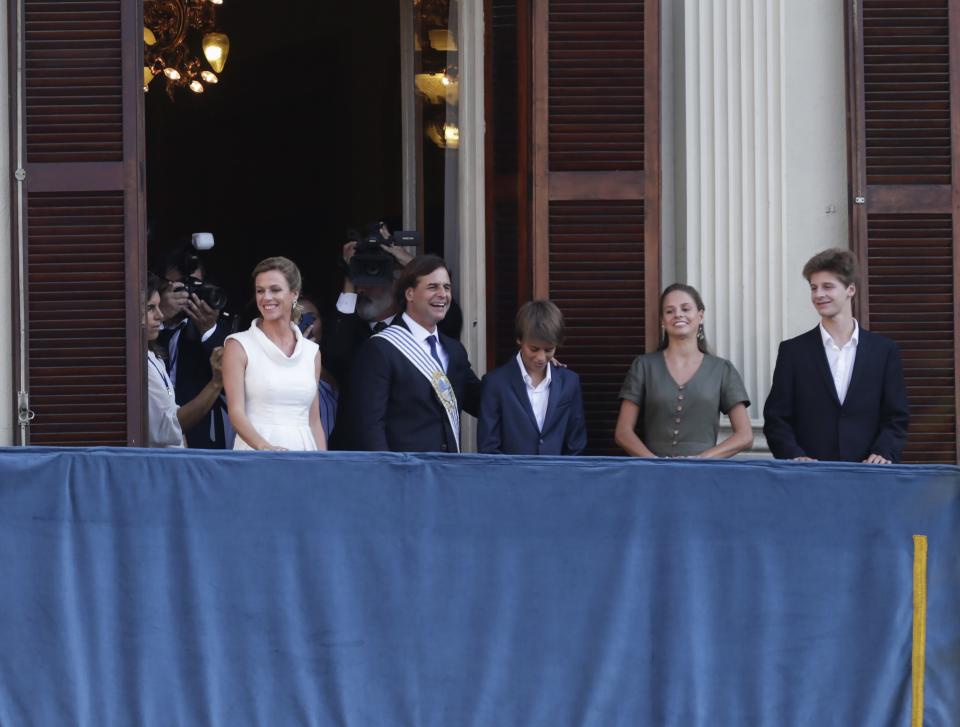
x=273 y=448
x=625 y=434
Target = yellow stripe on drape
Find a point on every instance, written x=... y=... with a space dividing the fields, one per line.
x=919 y=626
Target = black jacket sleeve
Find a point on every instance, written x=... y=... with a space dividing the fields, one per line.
x=368 y=403
x=778 y=411
x=894 y=410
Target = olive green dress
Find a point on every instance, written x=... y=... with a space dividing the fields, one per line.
x=680 y=421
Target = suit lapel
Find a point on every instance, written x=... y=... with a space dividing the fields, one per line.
x=553 y=397
x=819 y=357
x=859 y=364
x=519 y=387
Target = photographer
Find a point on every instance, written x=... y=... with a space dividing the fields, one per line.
x=365 y=307
x=192 y=328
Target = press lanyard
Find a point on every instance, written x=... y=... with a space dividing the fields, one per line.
x=163 y=374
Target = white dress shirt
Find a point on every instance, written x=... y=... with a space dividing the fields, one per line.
x=420 y=335
x=841 y=359
x=163 y=427
x=538 y=395
x=347 y=304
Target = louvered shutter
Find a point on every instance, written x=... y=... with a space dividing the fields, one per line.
x=507 y=99
x=904 y=126
x=82 y=217
x=596 y=191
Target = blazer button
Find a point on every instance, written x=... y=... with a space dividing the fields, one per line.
x=541 y=440
x=443 y=447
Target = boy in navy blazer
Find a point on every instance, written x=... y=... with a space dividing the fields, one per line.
x=838 y=391
x=528 y=406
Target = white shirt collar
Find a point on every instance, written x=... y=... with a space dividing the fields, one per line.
x=419 y=332
x=529 y=381
x=828 y=339
x=386 y=321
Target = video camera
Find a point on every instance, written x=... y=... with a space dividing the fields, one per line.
x=370 y=264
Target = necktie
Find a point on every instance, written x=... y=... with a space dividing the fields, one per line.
x=379 y=326
x=432 y=340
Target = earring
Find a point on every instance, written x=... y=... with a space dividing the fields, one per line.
x=700 y=333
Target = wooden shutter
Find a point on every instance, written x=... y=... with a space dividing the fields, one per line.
x=79 y=142
x=507 y=143
x=596 y=188
x=902 y=74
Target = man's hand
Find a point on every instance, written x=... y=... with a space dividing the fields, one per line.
x=203 y=316
x=348 y=251
x=803 y=459
x=173 y=300
x=216 y=365
x=400 y=255
x=312 y=332
x=876 y=459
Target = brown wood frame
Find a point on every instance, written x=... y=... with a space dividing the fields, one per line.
x=856 y=160
x=652 y=173
x=540 y=149
x=954 y=42
x=135 y=220
x=14 y=12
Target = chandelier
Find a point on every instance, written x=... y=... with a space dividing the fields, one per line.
x=171 y=29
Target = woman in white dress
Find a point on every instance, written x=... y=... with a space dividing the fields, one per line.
x=270 y=371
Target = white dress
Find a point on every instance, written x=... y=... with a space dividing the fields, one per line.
x=278 y=389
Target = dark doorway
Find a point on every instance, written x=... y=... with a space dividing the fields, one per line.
x=300 y=140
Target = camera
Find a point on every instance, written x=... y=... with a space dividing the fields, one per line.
x=370 y=264
x=186 y=260
x=213 y=296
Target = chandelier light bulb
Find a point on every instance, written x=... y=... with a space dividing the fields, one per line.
x=209 y=77
x=445 y=80
x=216 y=47
x=451 y=135
x=148 y=37
x=172 y=73
x=216 y=2
x=196 y=86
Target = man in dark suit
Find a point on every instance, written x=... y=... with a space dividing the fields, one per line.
x=410 y=381
x=362 y=310
x=528 y=406
x=838 y=391
x=193 y=330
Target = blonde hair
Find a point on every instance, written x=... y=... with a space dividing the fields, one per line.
x=540 y=319
x=290 y=271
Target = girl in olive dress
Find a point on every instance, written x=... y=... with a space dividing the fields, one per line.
x=677 y=393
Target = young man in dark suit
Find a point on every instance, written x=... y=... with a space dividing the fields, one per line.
x=528 y=406
x=838 y=391
x=410 y=381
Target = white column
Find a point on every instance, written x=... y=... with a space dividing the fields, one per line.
x=470 y=269
x=7 y=386
x=764 y=168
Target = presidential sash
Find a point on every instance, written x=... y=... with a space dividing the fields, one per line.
x=401 y=339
